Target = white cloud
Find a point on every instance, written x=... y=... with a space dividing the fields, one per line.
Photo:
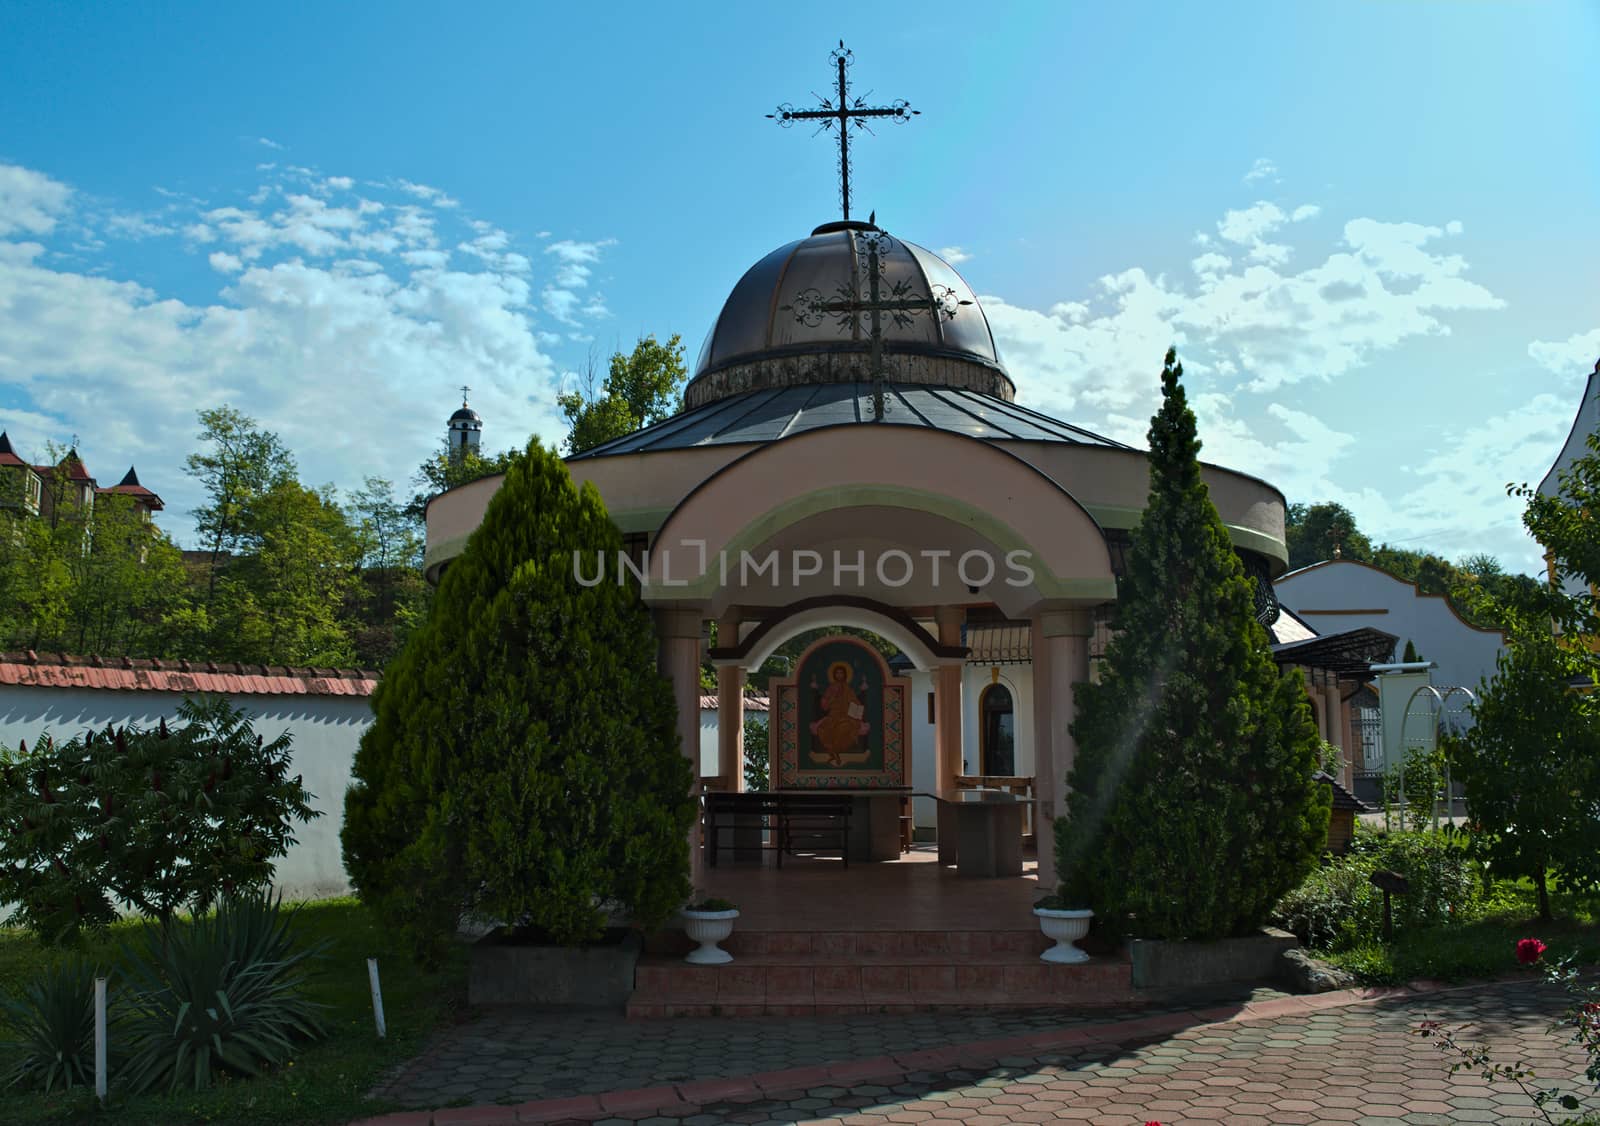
x=1575 y=355
x=1249 y=227
x=1244 y=326
x=30 y=202
x=563 y=297
x=954 y=255
x=268 y=143
x=135 y=226
x=1307 y=211
x=434 y=197
x=1385 y=284
x=343 y=328
x=1262 y=169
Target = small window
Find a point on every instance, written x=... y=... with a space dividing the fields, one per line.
x=931 y=717
x=998 y=732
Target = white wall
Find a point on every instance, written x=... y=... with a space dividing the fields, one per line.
x=708 y=742
x=325 y=729
x=924 y=811
x=1464 y=654
x=1017 y=678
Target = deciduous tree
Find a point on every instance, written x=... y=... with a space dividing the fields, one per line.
x=641 y=387
x=240 y=462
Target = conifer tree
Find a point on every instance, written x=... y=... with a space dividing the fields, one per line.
x=524 y=765
x=1192 y=807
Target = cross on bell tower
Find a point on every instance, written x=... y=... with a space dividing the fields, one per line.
x=842 y=113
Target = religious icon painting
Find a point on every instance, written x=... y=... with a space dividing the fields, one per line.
x=841 y=719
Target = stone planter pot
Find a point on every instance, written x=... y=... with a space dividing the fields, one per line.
x=507 y=969
x=708 y=928
x=1065 y=927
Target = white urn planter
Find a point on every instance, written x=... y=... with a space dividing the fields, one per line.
x=708 y=928
x=1065 y=927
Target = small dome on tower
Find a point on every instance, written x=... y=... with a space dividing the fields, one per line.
x=464 y=433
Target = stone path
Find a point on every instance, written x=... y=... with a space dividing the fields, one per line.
x=515 y=1056
x=1351 y=1058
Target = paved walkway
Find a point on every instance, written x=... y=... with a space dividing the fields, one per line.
x=1350 y=1057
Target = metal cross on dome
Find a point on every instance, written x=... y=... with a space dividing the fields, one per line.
x=841 y=112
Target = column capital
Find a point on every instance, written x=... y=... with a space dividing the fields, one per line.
x=679 y=623
x=1066 y=623
x=948 y=621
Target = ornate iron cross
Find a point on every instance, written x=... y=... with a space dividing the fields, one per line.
x=841 y=113
x=900 y=304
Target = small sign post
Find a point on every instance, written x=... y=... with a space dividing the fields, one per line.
x=1390 y=883
x=377 y=996
x=100 y=1039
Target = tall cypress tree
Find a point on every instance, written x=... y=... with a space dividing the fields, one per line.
x=1192 y=807
x=524 y=764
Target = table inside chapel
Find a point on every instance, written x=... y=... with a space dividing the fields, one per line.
x=874 y=820
x=980 y=831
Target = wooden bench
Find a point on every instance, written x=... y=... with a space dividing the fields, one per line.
x=728 y=812
x=778 y=821
x=820 y=820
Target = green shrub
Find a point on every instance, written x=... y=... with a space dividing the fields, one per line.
x=51 y=1029
x=1444 y=883
x=756 y=760
x=164 y=820
x=221 y=993
x=523 y=765
x=1192 y=807
x=1336 y=907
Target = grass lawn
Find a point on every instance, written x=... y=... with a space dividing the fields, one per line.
x=327 y=1081
x=1483 y=947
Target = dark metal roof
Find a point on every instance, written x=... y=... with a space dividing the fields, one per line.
x=773 y=413
x=466 y=413
x=1350 y=653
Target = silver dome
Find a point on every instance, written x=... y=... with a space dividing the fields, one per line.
x=764 y=317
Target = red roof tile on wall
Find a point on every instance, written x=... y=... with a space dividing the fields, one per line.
x=60 y=670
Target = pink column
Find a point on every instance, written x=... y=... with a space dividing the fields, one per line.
x=1060 y=663
x=730 y=712
x=947 y=700
x=679 y=661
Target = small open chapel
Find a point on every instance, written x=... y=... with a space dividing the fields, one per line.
x=851 y=458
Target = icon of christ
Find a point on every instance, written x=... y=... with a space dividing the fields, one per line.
x=837 y=734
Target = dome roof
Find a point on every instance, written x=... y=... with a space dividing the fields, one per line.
x=465 y=414
x=766 y=319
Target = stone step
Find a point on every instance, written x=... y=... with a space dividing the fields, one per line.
x=863 y=946
x=772 y=985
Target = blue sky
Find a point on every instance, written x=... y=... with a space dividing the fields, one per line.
x=1371 y=229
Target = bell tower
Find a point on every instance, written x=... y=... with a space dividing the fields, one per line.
x=466 y=429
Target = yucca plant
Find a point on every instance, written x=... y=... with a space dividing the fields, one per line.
x=51 y=1029
x=223 y=992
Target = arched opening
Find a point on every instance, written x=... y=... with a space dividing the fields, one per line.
x=997 y=732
